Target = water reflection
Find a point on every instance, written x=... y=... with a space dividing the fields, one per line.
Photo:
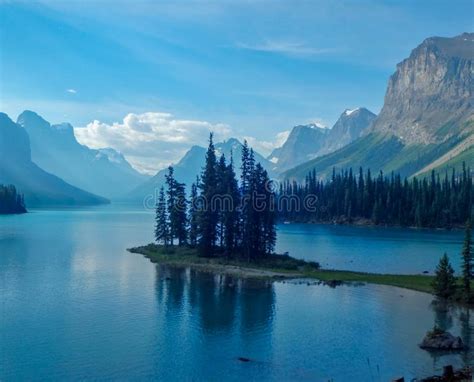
x=455 y=319
x=221 y=302
x=80 y=306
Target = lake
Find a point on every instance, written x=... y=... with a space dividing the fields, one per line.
x=76 y=305
x=371 y=249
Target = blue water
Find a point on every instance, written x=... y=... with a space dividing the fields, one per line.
x=371 y=249
x=76 y=305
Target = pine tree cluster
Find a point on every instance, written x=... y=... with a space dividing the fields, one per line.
x=221 y=216
x=11 y=202
x=388 y=200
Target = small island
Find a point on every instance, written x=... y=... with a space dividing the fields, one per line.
x=11 y=202
x=277 y=267
x=228 y=227
x=274 y=267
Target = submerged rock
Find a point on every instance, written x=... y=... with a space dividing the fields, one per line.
x=333 y=283
x=450 y=375
x=438 y=339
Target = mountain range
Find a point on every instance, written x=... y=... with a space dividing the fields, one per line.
x=190 y=166
x=306 y=142
x=55 y=149
x=40 y=188
x=426 y=123
x=427 y=120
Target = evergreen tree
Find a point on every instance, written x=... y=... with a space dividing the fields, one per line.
x=221 y=202
x=444 y=284
x=162 y=225
x=177 y=207
x=467 y=262
x=208 y=217
x=248 y=193
x=231 y=216
x=171 y=203
x=193 y=215
x=245 y=168
x=180 y=215
x=268 y=230
x=429 y=202
x=11 y=202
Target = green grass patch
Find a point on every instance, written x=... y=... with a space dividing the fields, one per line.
x=282 y=266
x=421 y=283
x=189 y=256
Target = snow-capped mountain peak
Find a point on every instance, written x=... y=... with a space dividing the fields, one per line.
x=350 y=111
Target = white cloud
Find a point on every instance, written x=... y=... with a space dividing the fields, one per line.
x=289 y=48
x=266 y=147
x=152 y=140
x=72 y=91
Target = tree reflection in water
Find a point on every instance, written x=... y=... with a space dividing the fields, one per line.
x=220 y=302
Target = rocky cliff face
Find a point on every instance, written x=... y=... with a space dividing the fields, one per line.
x=427 y=121
x=431 y=95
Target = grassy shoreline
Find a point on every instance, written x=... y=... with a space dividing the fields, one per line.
x=277 y=267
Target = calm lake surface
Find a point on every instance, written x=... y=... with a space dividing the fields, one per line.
x=371 y=249
x=76 y=305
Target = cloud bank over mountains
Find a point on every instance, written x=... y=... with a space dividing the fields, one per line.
x=153 y=140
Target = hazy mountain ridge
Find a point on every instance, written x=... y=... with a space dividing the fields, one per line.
x=303 y=143
x=191 y=165
x=428 y=112
x=39 y=187
x=306 y=142
x=55 y=148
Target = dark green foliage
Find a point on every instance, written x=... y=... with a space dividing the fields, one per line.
x=444 y=284
x=208 y=216
x=180 y=215
x=10 y=201
x=258 y=208
x=231 y=216
x=223 y=218
x=177 y=206
x=162 y=234
x=387 y=200
x=193 y=216
x=467 y=262
x=189 y=256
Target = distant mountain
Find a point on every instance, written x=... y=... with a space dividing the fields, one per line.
x=427 y=121
x=191 y=165
x=306 y=142
x=55 y=148
x=303 y=144
x=351 y=125
x=39 y=187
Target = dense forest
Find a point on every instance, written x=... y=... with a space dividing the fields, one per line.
x=436 y=201
x=11 y=202
x=222 y=216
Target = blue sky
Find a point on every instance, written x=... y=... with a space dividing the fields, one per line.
x=256 y=67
